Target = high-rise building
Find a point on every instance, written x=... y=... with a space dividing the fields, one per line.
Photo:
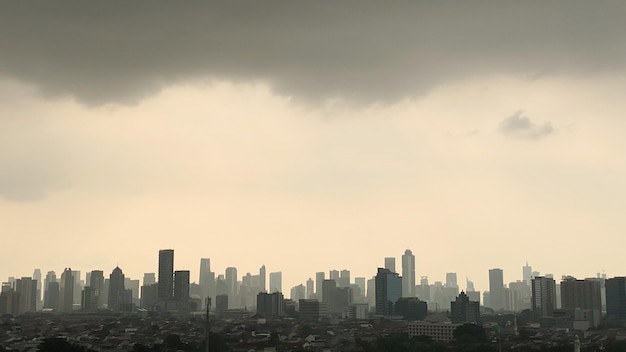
x=582 y=294
x=451 y=280
x=527 y=273
x=463 y=310
x=47 y=301
x=319 y=284
x=181 y=289
x=310 y=284
x=205 y=278
x=616 y=298
x=66 y=302
x=231 y=285
x=496 y=289
x=262 y=277
x=333 y=275
x=298 y=293
x=360 y=281
x=408 y=274
x=53 y=296
x=543 y=301
x=26 y=288
x=149 y=279
x=166 y=274
x=37 y=278
x=344 y=278
x=270 y=305
x=276 y=282
x=116 y=290
x=388 y=291
x=390 y=264
x=96 y=285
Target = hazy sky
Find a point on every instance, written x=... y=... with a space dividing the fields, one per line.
x=313 y=135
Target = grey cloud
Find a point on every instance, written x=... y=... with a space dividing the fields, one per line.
x=519 y=125
x=369 y=50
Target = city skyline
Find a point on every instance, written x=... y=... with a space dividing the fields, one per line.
x=313 y=137
x=241 y=275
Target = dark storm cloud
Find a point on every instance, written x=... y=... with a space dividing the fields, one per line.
x=121 y=51
x=519 y=125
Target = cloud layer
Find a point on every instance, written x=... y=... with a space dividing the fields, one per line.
x=116 y=51
x=518 y=125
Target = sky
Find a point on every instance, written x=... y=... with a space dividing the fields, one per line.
x=313 y=135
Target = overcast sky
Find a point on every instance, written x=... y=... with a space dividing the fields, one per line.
x=313 y=135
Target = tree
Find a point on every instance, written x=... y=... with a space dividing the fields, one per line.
x=470 y=333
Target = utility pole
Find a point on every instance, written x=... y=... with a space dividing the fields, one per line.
x=206 y=326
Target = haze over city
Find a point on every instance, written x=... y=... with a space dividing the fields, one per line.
x=311 y=136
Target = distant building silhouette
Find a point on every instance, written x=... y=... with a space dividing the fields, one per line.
x=411 y=308
x=408 y=274
x=66 y=303
x=166 y=274
x=543 y=291
x=311 y=309
x=310 y=291
x=496 y=289
x=270 y=305
x=181 y=289
x=388 y=291
x=276 y=282
x=390 y=264
x=582 y=294
x=262 y=279
x=320 y=276
x=463 y=310
x=616 y=298
x=116 y=290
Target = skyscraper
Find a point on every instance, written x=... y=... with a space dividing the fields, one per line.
x=496 y=289
x=181 y=289
x=116 y=290
x=616 y=298
x=408 y=274
x=230 y=278
x=67 y=291
x=204 y=278
x=262 y=277
x=543 y=296
x=47 y=301
x=96 y=285
x=309 y=288
x=390 y=264
x=319 y=284
x=166 y=274
x=527 y=272
x=388 y=291
x=582 y=294
x=344 y=278
x=37 y=278
x=276 y=282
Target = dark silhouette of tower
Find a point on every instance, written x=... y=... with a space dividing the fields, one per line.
x=166 y=274
x=388 y=291
x=67 y=291
x=116 y=290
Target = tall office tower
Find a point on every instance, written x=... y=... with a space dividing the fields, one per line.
x=53 y=296
x=220 y=286
x=37 y=278
x=320 y=276
x=26 y=288
x=231 y=286
x=422 y=290
x=166 y=274
x=469 y=285
x=344 y=278
x=298 y=293
x=262 y=277
x=270 y=305
x=390 y=264
x=204 y=278
x=371 y=291
x=310 y=284
x=333 y=275
x=463 y=310
x=116 y=290
x=408 y=274
x=496 y=289
x=543 y=301
x=96 y=284
x=66 y=303
x=360 y=281
x=527 y=273
x=149 y=279
x=181 y=289
x=51 y=276
x=582 y=294
x=132 y=286
x=616 y=298
x=276 y=282
x=451 y=280
x=388 y=291
x=78 y=286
